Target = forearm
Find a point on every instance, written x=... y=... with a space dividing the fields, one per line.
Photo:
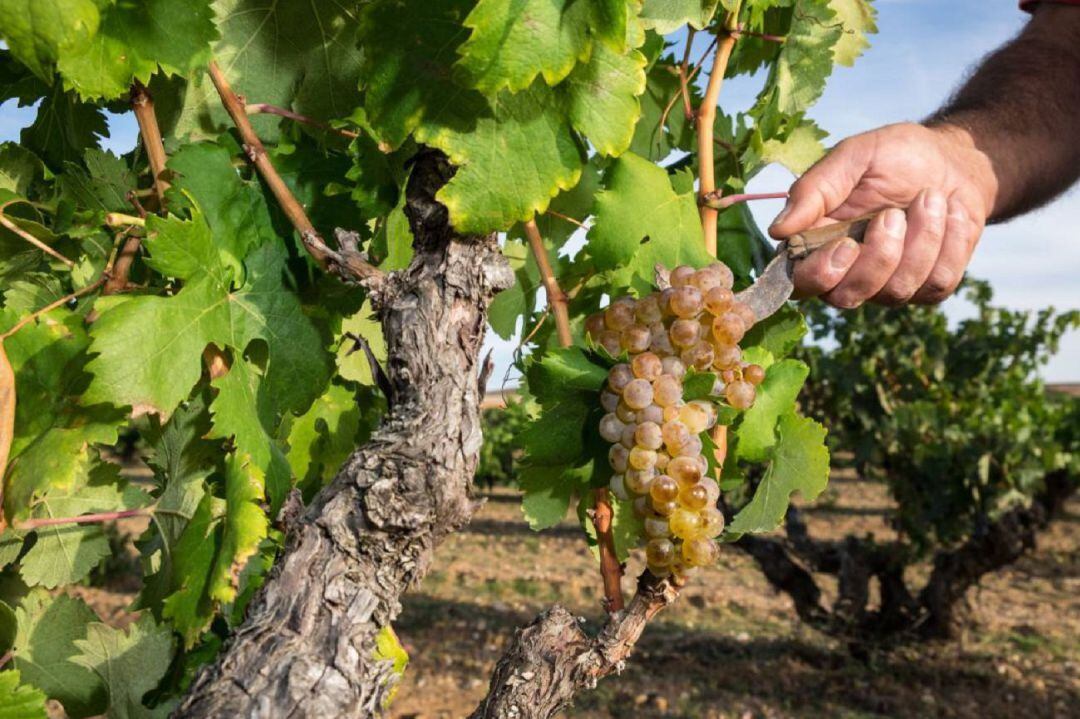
x=1022 y=110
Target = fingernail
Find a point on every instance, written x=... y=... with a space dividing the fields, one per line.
x=782 y=216
x=844 y=255
x=935 y=204
x=958 y=214
x=895 y=221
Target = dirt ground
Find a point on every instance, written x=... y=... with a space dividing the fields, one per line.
x=731 y=647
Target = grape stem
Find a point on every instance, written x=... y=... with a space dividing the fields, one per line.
x=257 y=108
x=82 y=519
x=715 y=201
x=706 y=117
x=346 y=262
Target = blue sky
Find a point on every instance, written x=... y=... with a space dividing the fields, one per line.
x=923 y=50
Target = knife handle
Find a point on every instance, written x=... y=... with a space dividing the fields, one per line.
x=803 y=243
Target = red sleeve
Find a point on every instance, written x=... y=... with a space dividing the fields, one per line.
x=1029 y=5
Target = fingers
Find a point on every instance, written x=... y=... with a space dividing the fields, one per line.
x=961 y=236
x=823 y=270
x=926 y=222
x=879 y=257
x=821 y=189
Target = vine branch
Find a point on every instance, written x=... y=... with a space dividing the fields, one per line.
x=349 y=262
x=53 y=305
x=8 y=224
x=556 y=297
x=706 y=118
x=610 y=569
x=142 y=103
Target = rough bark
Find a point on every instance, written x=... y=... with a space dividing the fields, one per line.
x=307 y=646
x=552 y=659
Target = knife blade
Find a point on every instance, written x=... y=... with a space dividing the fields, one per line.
x=775 y=284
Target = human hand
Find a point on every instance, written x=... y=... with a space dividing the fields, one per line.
x=917 y=254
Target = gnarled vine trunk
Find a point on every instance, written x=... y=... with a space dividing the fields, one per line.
x=931 y=613
x=307 y=647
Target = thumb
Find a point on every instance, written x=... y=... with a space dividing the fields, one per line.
x=821 y=190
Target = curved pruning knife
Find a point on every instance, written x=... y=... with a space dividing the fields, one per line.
x=775 y=284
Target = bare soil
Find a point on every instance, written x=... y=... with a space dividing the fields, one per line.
x=732 y=647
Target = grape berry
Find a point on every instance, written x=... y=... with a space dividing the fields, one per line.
x=656 y=451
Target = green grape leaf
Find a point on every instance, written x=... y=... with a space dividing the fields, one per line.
x=322 y=438
x=667 y=16
x=858 y=18
x=243 y=527
x=48 y=628
x=8 y=626
x=626 y=527
x=800 y=463
x=779 y=333
x=103 y=185
x=489 y=191
x=39 y=32
x=149 y=348
x=129 y=663
x=512 y=43
x=547 y=491
x=65 y=553
x=57 y=461
x=799 y=149
x=19 y=168
x=193 y=558
x=409 y=51
x=352 y=362
x=234 y=208
x=393 y=239
x=564 y=373
x=408 y=90
x=568 y=386
x=182 y=248
x=562 y=444
x=651 y=140
x=602 y=98
x=301 y=56
x=641 y=221
x=805 y=61
x=775 y=398
x=134 y=40
x=698 y=385
x=83 y=125
x=245 y=412
x=33 y=291
x=20 y=701
x=182 y=460
x=520 y=299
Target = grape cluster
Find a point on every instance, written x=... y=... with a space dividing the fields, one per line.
x=656 y=450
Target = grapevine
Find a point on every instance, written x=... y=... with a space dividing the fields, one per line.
x=280 y=297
